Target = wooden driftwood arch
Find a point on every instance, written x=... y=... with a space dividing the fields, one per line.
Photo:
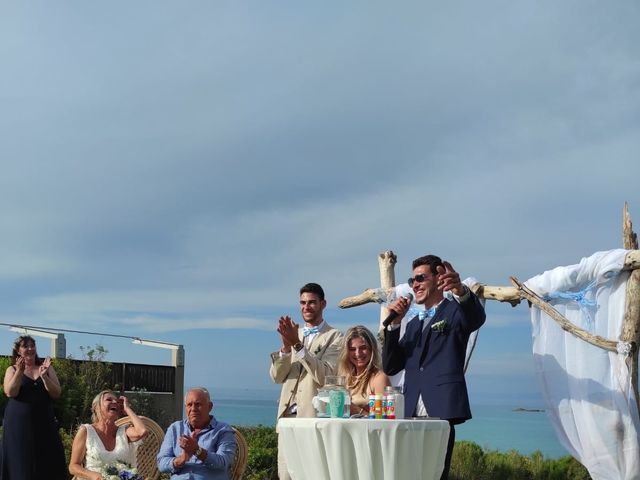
x=631 y=324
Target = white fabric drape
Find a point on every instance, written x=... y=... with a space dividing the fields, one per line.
x=588 y=391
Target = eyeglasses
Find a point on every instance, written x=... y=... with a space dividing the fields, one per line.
x=421 y=277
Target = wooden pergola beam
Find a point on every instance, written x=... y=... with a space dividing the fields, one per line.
x=631 y=323
x=502 y=294
x=565 y=324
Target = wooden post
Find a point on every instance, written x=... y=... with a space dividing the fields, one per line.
x=386 y=263
x=631 y=322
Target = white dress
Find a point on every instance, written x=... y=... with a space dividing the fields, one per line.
x=97 y=456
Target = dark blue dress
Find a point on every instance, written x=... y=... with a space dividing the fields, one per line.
x=31 y=444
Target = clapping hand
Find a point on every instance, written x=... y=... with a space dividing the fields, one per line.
x=20 y=364
x=189 y=443
x=288 y=330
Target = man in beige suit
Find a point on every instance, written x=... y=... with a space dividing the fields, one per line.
x=305 y=358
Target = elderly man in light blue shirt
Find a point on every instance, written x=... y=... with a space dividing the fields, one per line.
x=199 y=447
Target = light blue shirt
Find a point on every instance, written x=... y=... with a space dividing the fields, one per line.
x=217 y=438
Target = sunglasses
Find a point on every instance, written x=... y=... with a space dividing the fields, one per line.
x=421 y=277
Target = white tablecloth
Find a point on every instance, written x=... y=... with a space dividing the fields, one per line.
x=350 y=449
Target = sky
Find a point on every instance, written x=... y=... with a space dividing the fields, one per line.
x=176 y=171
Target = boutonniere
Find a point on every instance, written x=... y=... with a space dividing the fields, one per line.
x=440 y=326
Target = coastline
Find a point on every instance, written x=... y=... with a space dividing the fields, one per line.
x=493 y=427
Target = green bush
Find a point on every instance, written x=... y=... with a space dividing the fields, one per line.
x=470 y=462
x=143 y=403
x=5 y=362
x=80 y=383
x=506 y=466
x=262 y=458
x=467 y=461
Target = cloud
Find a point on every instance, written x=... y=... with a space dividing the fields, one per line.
x=191 y=167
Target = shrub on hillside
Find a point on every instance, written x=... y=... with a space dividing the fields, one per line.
x=80 y=383
x=5 y=362
x=263 y=453
x=470 y=462
x=467 y=462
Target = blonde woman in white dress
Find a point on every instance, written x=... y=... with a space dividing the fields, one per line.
x=101 y=442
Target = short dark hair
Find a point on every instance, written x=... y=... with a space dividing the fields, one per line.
x=431 y=260
x=313 y=288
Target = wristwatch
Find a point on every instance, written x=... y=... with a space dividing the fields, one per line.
x=198 y=452
x=298 y=346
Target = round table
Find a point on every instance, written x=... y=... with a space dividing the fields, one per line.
x=350 y=449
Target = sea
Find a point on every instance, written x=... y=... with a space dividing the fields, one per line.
x=493 y=427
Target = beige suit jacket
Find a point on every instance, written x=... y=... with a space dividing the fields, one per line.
x=301 y=379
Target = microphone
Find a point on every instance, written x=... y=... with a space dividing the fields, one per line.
x=393 y=314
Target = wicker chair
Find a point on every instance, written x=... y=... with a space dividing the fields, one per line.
x=147 y=449
x=150 y=446
x=240 y=461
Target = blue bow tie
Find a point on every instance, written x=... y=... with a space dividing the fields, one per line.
x=306 y=331
x=428 y=313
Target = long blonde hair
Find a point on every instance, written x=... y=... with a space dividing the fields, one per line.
x=355 y=382
x=95 y=404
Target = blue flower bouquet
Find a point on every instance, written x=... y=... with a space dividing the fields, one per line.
x=119 y=471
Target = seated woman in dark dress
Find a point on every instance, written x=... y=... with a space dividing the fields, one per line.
x=31 y=444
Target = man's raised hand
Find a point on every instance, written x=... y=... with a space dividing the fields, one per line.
x=449 y=279
x=288 y=330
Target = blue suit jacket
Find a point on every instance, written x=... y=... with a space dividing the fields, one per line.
x=434 y=361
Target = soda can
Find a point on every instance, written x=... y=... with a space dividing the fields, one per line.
x=391 y=406
x=372 y=406
x=378 y=406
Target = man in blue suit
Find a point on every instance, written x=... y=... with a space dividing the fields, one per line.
x=432 y=350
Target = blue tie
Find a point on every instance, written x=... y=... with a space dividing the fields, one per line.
x=425 y=314
x=306 y=331
x=422 y=316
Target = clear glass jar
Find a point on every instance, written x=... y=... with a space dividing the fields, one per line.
x=322 y=405
x=339 y=405
x=399 y=402
x=393 y=403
